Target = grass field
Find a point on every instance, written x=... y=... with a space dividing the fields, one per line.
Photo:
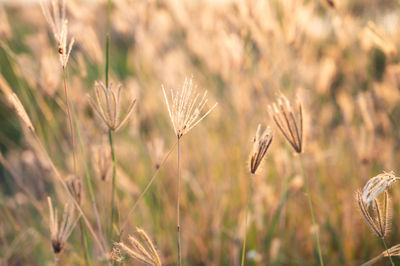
x=123 y=171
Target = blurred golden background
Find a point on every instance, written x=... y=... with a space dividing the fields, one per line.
x=339 y=57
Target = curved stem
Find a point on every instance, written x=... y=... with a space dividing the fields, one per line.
x=245 y=223
x=178 y=226
x=387 y=250
x=321 y=262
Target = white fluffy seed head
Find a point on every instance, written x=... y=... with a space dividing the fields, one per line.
x=376 y=185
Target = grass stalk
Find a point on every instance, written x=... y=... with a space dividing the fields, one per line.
x=114 y=177
x=316 y=235
x=178 y=223
x=387 y=250
x=85 y=244
x=71 y=127
x=250 y=190
x=88 y=177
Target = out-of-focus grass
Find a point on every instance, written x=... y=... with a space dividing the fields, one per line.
x=343 y=62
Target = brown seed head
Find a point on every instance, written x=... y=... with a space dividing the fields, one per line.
x=261 y=143
x=377 y=215
x=289 y=123
x=107 y=106
x=61 y=232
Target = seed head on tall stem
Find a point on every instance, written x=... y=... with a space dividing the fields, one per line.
x=376 y=213
x=106 y=105
x=185 y=107
x=55 y=15
x=290 y=124
x=185 y=113
x=261 y=143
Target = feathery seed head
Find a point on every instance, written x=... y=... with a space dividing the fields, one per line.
x=376 y=186
x=54 y=13
x=142 y=250
x=289 y=123
x=185 y=107
x=107 y=106
x=261 y=143
x=61 y=232
x=377 y=215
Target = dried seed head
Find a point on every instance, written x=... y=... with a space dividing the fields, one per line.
x=261 y=143
x=61 y=232
x=142 y=250
x=393 y=251
x=377 y=215
x=107 y=106
x=289 y=124
x=54 y=13
x=186 y=106
x=376 y=186
x=14 y=102
x=75 y=187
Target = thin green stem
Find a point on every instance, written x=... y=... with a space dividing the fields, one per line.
x=114 y=176
x=88 y=177
x=108 y=40
x=178 y=225
x=84 y=242
x=246 y=217
x=321 y=262
x=387 y=250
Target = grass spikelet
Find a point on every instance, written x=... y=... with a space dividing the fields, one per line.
x=61 y=231
x=141 y=249
x=376 y=185
x=14 y=102
x=185 y=107
x=261 y=143
x=289 y=123
x=107 y=106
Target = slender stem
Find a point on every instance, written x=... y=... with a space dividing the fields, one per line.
x=88 y=178
x=84 y=243
x=178 y=225
x=108 y=40
x=246 y=216
x=71 y=128
x=147 y=187
x=321 y=262
x=373 y=261
x=387 y=250
x=113 y=183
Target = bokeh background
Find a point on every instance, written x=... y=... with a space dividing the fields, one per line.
x=340 y=57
